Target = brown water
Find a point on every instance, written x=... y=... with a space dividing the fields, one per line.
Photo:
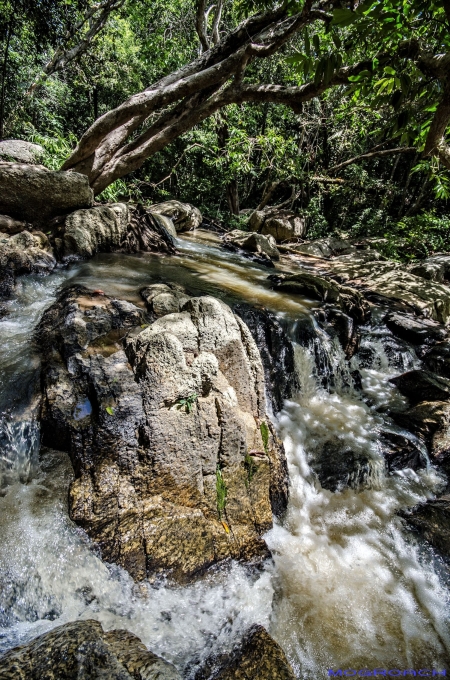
x=348 y=586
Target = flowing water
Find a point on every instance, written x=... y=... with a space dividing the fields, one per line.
x=348 y=587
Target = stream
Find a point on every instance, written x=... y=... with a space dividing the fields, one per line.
x=349 y=587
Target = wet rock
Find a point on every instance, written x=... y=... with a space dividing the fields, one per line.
x=432 y=520
x=414 y=330
x=318 y=288
x=277 y=353
x=340 y=325
x=183 y=215
x=337 y=467
x=162 y=298
x=255 y=243
x=19 y=151
x=283 y=225
x=258 y=657
x=437 y=359
x=23 y=253
x=430 y=421
x=35 y=194
x=83 y=651
x=177 y=466
x=114 y=227
x=420 y=385
x=401 y=452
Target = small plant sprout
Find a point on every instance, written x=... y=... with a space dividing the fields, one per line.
x=222 y=491
x=187 y=402
x=109 y=410
x=265 y=435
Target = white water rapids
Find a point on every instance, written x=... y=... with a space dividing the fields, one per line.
x=348 y=587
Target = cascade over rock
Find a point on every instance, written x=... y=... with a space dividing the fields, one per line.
x=177 y=466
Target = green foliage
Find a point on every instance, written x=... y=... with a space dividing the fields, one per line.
x=109 y=410
x=187 y=402
x=418 y=236
x=56 y=146
x=265 y=433
x=221 y=492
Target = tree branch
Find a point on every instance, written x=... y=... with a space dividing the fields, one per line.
x=200 y=24
x=373 y=154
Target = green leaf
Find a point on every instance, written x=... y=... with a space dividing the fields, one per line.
x=343 y=17
x=109 y=410
x=389 y=70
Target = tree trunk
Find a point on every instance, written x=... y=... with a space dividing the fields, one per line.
x=3 y=83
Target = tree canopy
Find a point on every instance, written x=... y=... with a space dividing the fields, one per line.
x=304 y=103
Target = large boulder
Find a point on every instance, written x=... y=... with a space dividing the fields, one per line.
x=35 y=194
x=420 y=385
x=23 y=253
x=183 y=215
x=326 y=290
x=177 y=466
x=256 y=657
x=83 y=651
x=414 y=330
x=434 y=268
x=19 y=151
x=162 y=298
x=112 y=227
x=283 y=225
x=255 y=243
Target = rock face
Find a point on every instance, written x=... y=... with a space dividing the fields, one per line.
x=95 y=229
x=258 y=657
x=387 y=280
x=83 y=651
x=326 y=290
x=277 y=353
x=432 y=520
x=113 y=227
x=35 y=194
x=184 y=216
x=437 y=359
x=23 y=253
x=283 y=225
x=263 y=246
x=19 y=151
x=176 y=464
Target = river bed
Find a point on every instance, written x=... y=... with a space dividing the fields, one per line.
x=348 y=585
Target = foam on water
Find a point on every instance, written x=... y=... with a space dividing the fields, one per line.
x=353 y=590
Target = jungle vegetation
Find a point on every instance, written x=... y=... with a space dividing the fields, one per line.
x=338 y=110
